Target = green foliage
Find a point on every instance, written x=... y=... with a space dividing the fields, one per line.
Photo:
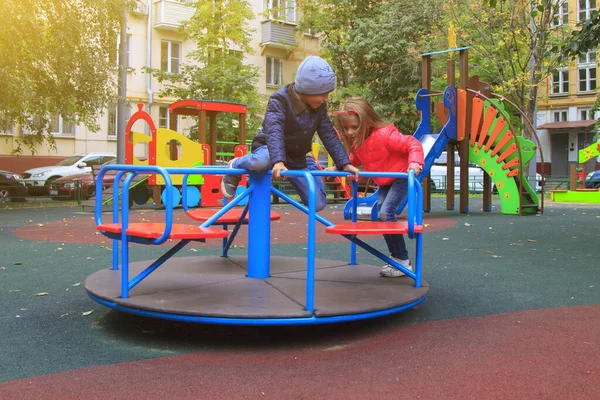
x=373 y=46
x=54 y=59
x=215 y=70
x=512 y=44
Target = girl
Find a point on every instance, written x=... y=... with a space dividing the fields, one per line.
x=379 y=146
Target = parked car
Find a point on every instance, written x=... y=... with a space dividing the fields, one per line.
x=592 y=180
x=80 y=186
x=12 y=187
x=38 y=180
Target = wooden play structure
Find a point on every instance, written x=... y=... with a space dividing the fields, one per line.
x=474 y=123
x=485 y=136
x=169 y=149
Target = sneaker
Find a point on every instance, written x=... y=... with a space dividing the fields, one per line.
x=229 y=183
x=390 y=272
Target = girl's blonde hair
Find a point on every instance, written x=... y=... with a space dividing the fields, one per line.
x=367 y=120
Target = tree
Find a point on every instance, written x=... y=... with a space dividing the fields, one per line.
x=54 y=59
x=512 y=45
x=373 y=47
x=215 y=70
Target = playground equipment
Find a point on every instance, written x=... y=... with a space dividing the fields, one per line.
x=257 y=289
x=477 y=124
x=170 y=149
x=578 y=192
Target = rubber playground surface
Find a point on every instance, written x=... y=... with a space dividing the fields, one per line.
x=513 y=312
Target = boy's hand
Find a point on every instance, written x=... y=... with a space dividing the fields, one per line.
x=277 y=168
x=332 y=168
x=415 y=167
x=352 y=169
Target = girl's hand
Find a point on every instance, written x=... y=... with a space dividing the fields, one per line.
x=352 y=169
x=332 y=168
x=415 y=167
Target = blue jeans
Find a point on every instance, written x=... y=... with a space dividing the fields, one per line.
x=260 y=161
x=388 y=201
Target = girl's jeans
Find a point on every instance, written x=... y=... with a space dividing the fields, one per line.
x=388 y=201
x=260 y=161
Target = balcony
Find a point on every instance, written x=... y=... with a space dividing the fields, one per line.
x=277 y=34
x=169 y=14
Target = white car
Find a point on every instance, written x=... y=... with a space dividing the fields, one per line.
x=438 y=176
x=38 y=180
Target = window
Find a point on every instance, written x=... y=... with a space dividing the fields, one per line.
x=164 y=119
x=560 y=116
x=585 y=114
x=586 y=69
x=561 y=14
x=5 y=126
x=116 y=52
x=169 y=57
x=281 y=10
x=58 y=126
x=274 y=71
x=112 y=119
x=560 y=81
x=93 y=160
x=585 y=9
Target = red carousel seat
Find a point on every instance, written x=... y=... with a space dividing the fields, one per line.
x=154 y=230
x=372 y=228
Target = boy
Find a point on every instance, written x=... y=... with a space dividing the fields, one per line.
x=293 y=114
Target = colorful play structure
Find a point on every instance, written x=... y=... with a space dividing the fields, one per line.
x=578 y=193
x=474 y=121
x=170 y=149
x=257 y=289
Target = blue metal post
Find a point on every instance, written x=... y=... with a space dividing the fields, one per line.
x=259 y=227
x=354 y=219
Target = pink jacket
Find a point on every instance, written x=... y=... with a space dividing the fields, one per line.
x=387 y=150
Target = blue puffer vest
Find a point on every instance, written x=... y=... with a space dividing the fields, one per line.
x=288 y=130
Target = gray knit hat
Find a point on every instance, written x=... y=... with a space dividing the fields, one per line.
x=314 y=76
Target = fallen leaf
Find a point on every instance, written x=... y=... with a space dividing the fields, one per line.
x=17 y=263
x=445 y=238
x=40 y=225
x=42 y=294
x=487 y=251
x=531 y=240
x=87 y=312
x=193 y=250
x=59 y=249
x=467 y=224
x=496 y=256
x=76 y=284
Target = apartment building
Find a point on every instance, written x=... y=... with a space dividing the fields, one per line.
x=565 y=122
x=153 y=41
